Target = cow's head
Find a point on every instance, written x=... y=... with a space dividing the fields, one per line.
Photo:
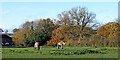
x=64 y=42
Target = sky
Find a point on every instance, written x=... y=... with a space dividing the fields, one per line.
x=14 y=14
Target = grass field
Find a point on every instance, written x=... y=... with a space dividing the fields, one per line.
x=67 y=52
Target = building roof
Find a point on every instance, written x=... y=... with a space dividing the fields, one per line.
x=4 y=36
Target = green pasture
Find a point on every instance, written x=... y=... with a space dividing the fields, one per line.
x=67 y=52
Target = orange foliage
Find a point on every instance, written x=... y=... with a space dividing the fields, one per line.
x=66 y=33
x=108 y=29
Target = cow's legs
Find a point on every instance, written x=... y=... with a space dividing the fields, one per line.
x=61 y=47
x=34 y=48
x=58 y=46
x=37 y=49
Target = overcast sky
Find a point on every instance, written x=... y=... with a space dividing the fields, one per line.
x=16 y=13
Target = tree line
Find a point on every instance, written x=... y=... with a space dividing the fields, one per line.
x=75 y=26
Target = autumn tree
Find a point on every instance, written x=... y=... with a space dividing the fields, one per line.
x=67 y=33
x=78 y=16
x=58 y=23
x=110 y=32
x=22 y=36
x=18 y=38
x=111 y=28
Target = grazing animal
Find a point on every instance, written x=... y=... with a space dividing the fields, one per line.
x=61 y=43
x=36 y=45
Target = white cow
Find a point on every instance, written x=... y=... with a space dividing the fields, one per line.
x=61 y=43
x=36 y=45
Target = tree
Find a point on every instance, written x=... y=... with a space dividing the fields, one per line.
x=111 y=28
x=30 y=32
x=40 y=37
x=1 y=30
x=83 y=17
x=79 y=15
x=46 y=26
x=67 y=33
x=64 y=18
x=110 y=32
x=43 y=31
x=15 y=30
x=23 y=34
x=18 y=38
